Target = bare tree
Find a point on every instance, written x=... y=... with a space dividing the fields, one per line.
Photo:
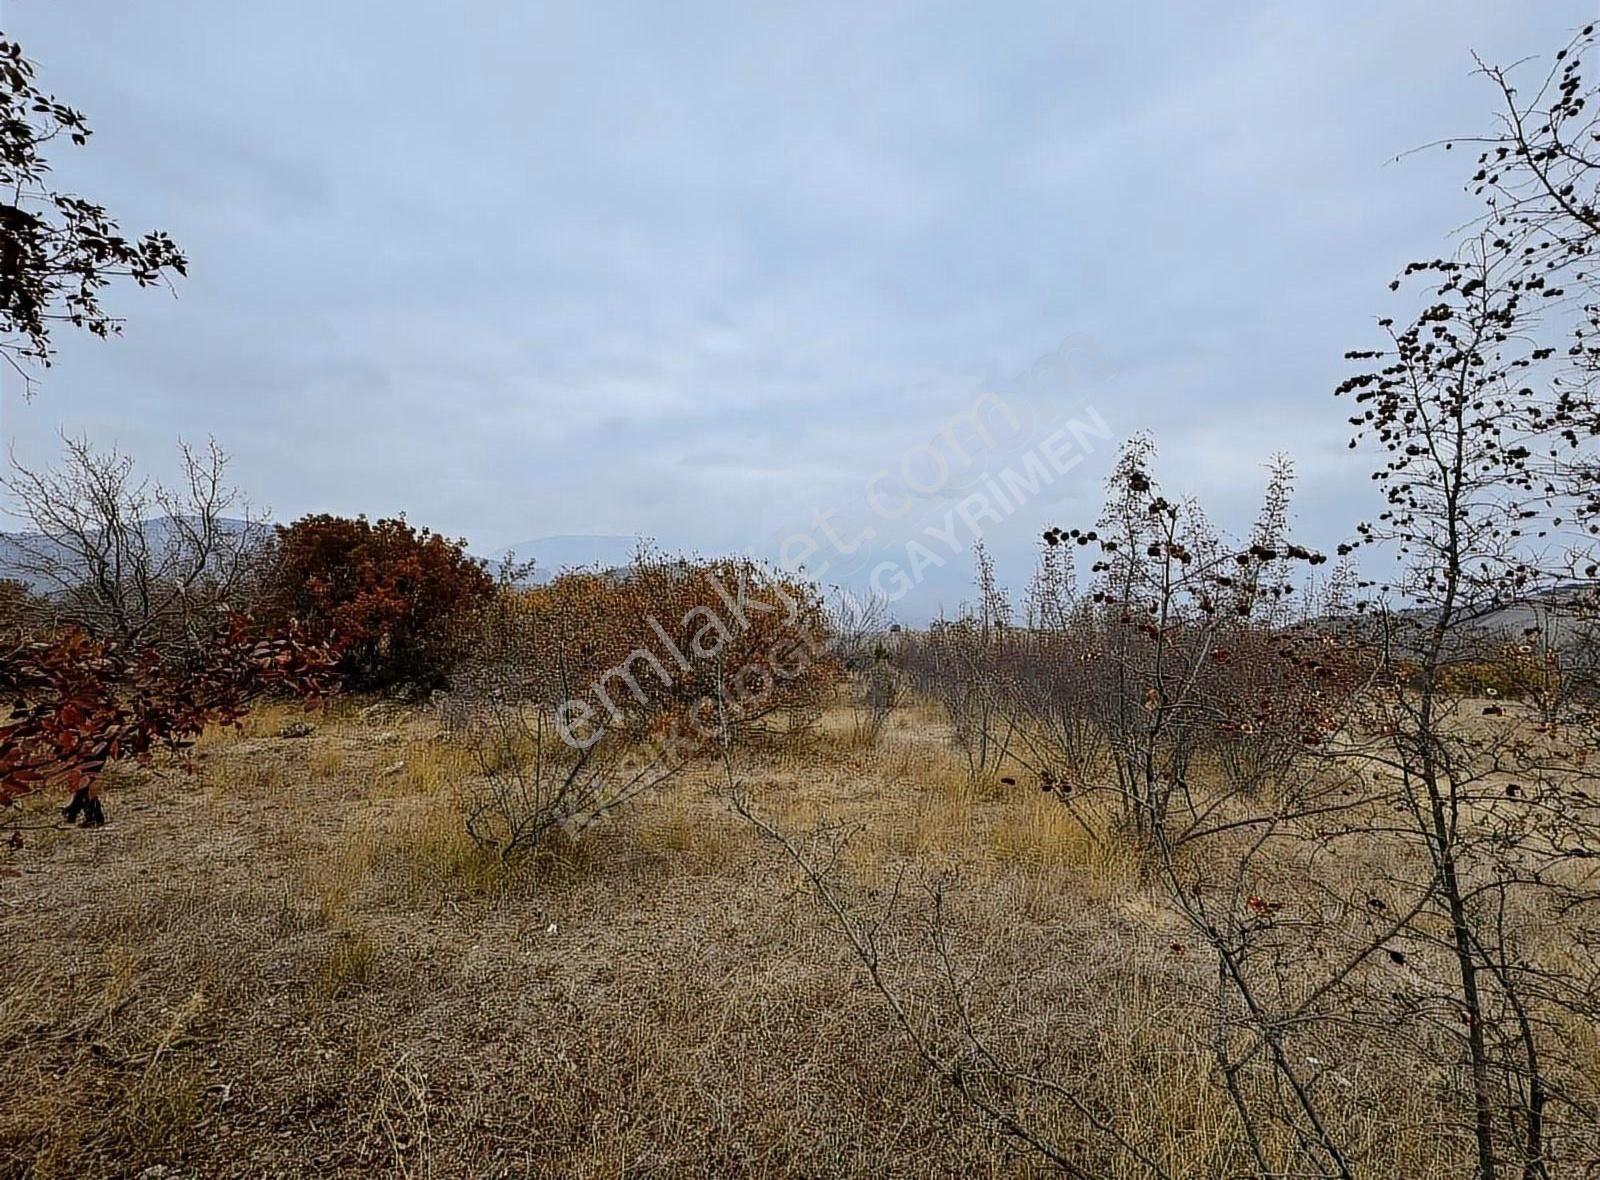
x=861 y=641
x=1485 y=511
x=856 y=626
x=1483 y=408
x=132 y=561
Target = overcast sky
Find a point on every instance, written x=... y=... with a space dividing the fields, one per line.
x=699 y=271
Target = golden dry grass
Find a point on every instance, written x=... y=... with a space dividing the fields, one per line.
x=293 y=962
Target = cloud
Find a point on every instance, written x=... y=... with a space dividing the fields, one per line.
x=698 y=273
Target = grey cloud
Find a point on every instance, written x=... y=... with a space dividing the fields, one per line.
x=698 y=271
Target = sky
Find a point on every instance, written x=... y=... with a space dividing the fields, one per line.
x=725 y=275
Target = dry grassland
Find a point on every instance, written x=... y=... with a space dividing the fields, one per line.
x=291 y=962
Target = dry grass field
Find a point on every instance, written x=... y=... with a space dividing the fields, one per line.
x=291 y=962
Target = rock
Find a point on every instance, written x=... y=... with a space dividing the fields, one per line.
x=297 y=729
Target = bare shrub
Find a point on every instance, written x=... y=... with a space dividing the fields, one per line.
x=862 y=644
x=537 y=776
x=1180 y=708
x=1212 y=702
x=1184 y=656
x=954 y=663
x=876 y=696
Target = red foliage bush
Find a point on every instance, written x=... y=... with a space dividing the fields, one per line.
x=389 y=596
x=79 y=703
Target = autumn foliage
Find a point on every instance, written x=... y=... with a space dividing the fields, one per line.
x=390 y=597
x=78 y=702
x=583 y=694
x=669 y=638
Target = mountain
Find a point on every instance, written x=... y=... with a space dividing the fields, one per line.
x=23 y=555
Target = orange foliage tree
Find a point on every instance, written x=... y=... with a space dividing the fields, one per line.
x=578 y=696
x=678 y=639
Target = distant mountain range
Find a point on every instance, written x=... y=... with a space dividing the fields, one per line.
x=23 y=555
